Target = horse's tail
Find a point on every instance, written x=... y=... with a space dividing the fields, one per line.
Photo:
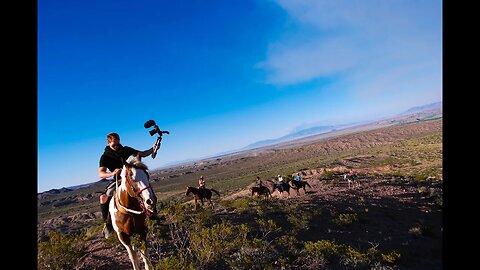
x=215 y=191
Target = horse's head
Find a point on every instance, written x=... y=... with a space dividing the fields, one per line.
x=137 y=183
x=187 y=190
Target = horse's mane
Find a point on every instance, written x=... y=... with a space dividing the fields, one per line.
x=132 y=161
x=139 y=165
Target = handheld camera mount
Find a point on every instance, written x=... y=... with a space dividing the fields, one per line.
x=155 y=130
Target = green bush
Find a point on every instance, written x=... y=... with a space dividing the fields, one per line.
x=241 y=205
x=327 y=175
x=267 y=227
x=420 y=228
x=299 y=220
x=212 y=244
x=173 y=263
x=391 y=257
x=60 y=251
x=352 y=257
x=325 y=248
x=345 y=219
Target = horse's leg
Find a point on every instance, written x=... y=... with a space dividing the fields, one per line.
x=211 y=203
x=132 y=254
x=143 y=253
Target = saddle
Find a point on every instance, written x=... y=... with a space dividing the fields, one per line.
x=282 y=186
x=202 y=191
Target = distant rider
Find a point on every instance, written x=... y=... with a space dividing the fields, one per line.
x=201 y=182
x=258 y=182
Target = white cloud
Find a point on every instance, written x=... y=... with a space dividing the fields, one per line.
x=289 y=65
x=378 y=40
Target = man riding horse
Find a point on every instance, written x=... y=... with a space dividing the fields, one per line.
x=111 y=159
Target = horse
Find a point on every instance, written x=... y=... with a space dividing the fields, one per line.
x=281 y=187
x=133 y=200
x=200 y=194
x=352 y=179
x=298 y=185
x=261 y=190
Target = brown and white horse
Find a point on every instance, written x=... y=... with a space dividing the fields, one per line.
x=132 y=202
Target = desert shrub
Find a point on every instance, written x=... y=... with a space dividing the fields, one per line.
x=422 y=190
x=92 y=232
x=327 y=175
x=156 y=240
x=419 y=229
x=210 y=245
x=420 y=176
x=176 y=213
x=335 y=182
x=345 y=219
x=267 y=227
x=324 y=248
x=299 y=220
x=380 y=266
x=391 y=257
x=137 y=242
x=253 y=254
x=352 y=257
x=288 y=244
x=373 y=254
x=173 y=262
x=60 y=251
x=241 y=205
x=202 y=218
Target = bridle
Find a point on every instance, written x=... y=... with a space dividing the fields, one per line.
x=136 y=195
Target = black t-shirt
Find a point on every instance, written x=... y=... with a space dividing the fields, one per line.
x=113 y=159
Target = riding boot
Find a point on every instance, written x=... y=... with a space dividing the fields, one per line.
x=106 y=217
x=104 y=208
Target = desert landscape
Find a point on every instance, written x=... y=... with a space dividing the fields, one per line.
x=391 y=220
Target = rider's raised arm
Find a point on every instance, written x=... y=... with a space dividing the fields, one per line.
x=148 y=152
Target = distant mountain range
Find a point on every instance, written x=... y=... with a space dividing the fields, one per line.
x=428 y=107
x=435 y=108
x=294 y=135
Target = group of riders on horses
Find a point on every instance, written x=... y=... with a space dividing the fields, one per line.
x=281 y=184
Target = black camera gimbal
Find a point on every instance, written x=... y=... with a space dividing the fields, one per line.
x=154 y=131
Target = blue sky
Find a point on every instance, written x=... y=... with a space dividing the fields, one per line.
x=220 y=74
